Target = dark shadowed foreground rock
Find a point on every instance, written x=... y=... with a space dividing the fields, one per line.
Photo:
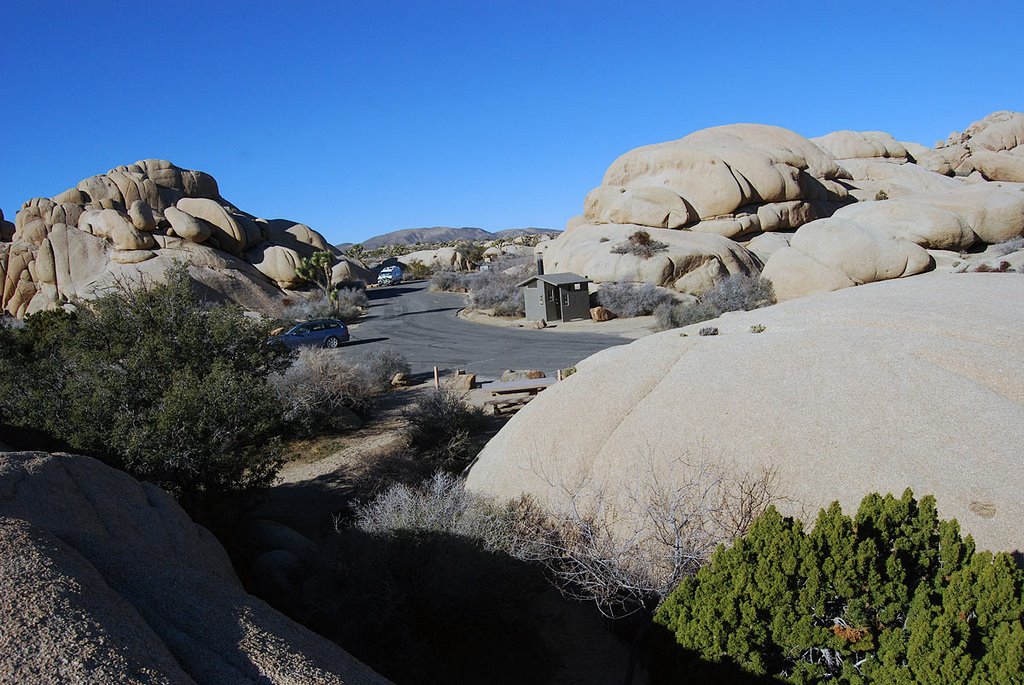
x=105 y=579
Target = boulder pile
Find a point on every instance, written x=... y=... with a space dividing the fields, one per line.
x=105 y=579
x=810 y=215
x=132 y=223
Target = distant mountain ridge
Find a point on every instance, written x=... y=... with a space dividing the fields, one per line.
x=438 y=234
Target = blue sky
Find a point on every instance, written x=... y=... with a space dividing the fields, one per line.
x=363 y=117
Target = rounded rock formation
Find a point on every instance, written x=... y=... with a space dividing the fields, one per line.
x=906 y=383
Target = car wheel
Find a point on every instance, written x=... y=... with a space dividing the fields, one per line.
x=331 y=342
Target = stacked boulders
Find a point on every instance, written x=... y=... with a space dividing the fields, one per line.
x=441 y=258
x=810 y=215
x=136 y=220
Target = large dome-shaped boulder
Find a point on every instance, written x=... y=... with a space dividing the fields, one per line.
x=906 y=383
x=715 y=180
x=105 y=579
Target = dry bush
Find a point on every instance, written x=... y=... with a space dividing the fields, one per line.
x=734 y=293
x=347 y=304
x=498 y=289
x=627 y=300
x=1005 y=248
x=625 y=556
x=641 y=244
x=444 y=427
x=449 y=281
x=321 y=387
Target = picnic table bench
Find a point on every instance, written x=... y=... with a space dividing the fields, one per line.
x=504 y=392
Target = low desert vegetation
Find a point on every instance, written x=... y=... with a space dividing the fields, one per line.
x=152 y=380
x=418 y=270
x=627 y=300
x=186 y=394
x=450 y=281
x=347 y=304
x=1005 y=248
x=733 y=293
x=321 y=390
x=444 y=429
x=495 y=290
x=640 y=244
x=892 y=595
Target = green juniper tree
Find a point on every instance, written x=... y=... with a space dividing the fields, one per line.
x=894 y=595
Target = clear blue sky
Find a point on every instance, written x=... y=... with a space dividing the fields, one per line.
x=363 y=117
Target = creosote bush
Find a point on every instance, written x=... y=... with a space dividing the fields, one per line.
x=734 y=293
x=626 y=299
x=152 y=380
x=892 y=595
x=443 y=426
x=641 y=244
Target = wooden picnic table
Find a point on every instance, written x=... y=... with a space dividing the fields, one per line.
x=530 y=386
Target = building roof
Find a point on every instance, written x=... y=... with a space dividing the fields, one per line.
x=555 y=279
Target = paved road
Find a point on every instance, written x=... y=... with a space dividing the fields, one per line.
x=423 y=326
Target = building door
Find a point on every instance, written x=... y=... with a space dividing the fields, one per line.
x=554 y=302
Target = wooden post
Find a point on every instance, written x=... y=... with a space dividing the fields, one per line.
x=437 y=379
x=558 y=376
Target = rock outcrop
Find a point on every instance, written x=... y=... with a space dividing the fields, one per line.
x=907 y=383
x=844 y=209
x=105 y=579
x=441 y=258
x=992 y=147
x=133 y=222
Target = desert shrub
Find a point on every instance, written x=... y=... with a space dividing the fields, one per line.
x=320 y=389
x=382 y=365
x=449 y=280
x=708 y=330
x=498 y=289
x=892 y=595
x=440 y=505
x=1008 y=246
x=758 y=328
x=626 y=299
x=641 y=244
x=881 y=195
x=152 y=380
x=347 y=304
x=443 y=426
x=733 y=293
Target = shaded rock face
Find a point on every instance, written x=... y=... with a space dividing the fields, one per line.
x=105 y=579
x=907 y=383
x=811 y=215
x=136 y=220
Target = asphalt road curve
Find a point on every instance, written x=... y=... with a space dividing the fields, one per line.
x=423 y=326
